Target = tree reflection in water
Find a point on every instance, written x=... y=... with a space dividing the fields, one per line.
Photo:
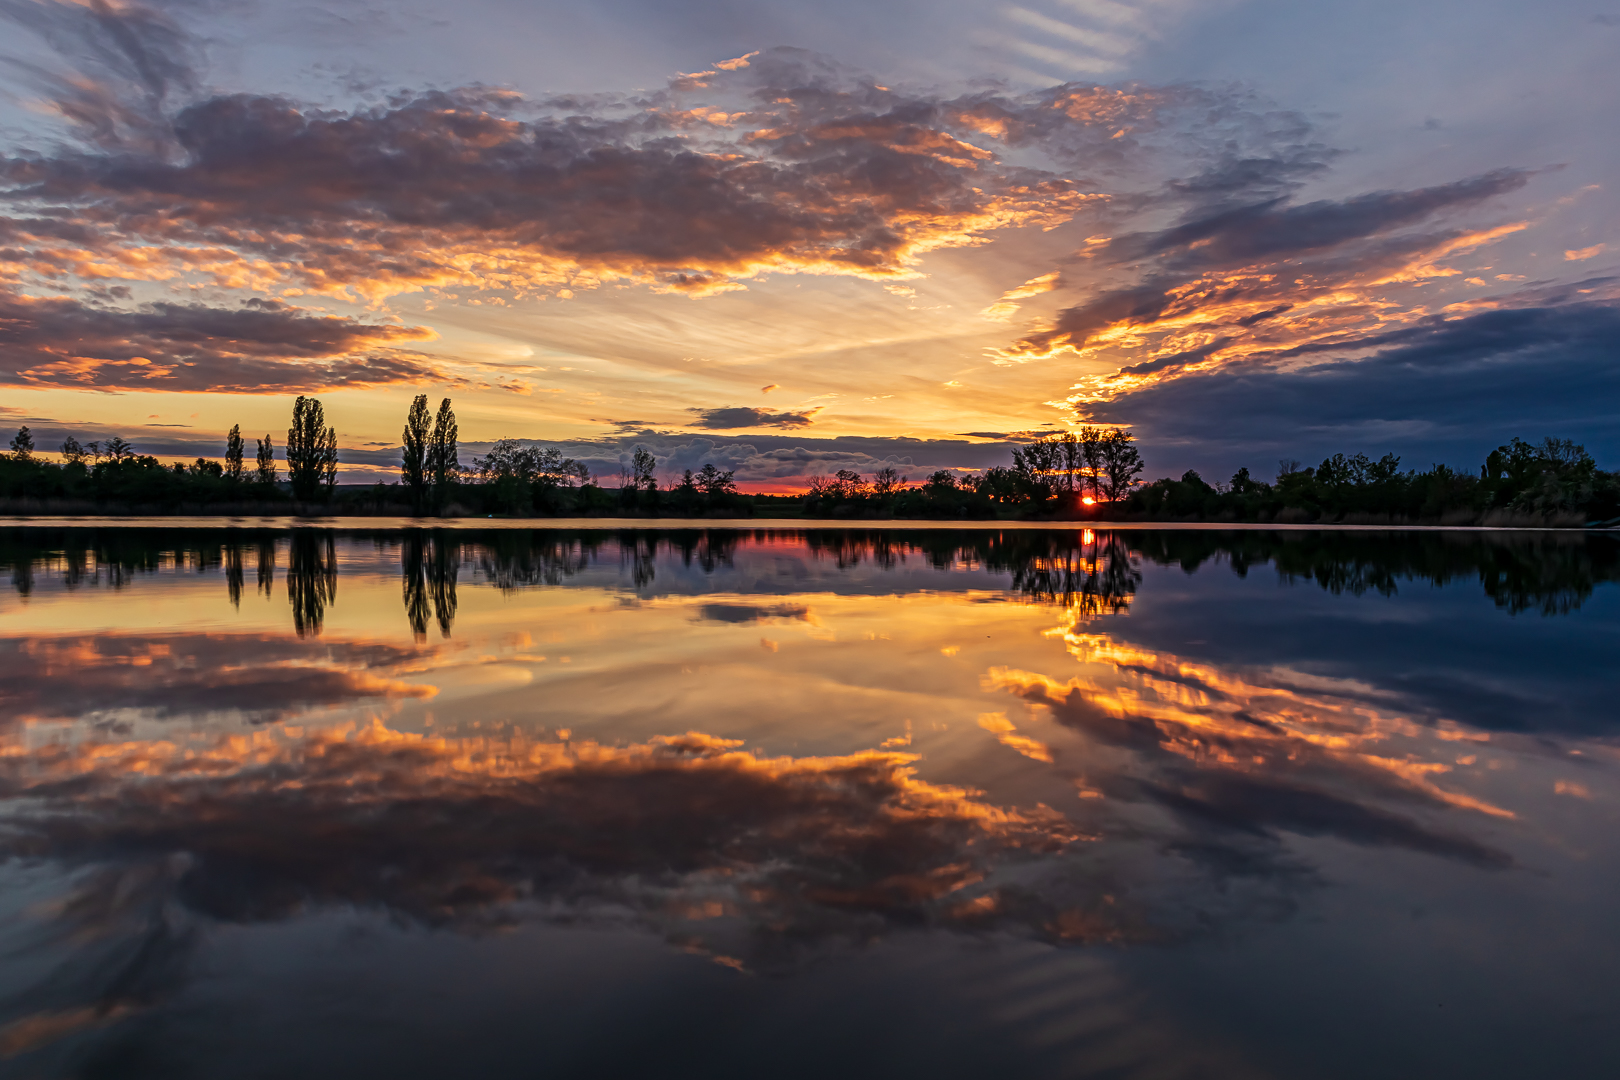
x=311 y=578
x=430 y=561
x=1552 y=573
x=267 y=564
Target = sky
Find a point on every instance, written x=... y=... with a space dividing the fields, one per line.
x=792 y=238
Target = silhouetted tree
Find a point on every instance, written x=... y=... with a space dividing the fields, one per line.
x=22 y=444
x=413 y=468
x=266 y=462
x=1073 y=462
x=1091 y=457
x=644 y=470
x=886 y=481
x=235 y=445
x=442 y=465
x=1121 y=464
x=1039 y=466
x=311 y=451
x=714 y=482
x=72 y=452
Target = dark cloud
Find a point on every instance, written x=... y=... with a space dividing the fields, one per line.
x=1445 y=390
x=1272 y=229
x=1254 y=264
x=742 y=417
x=785 y=163
x=688 y=197
x=260 y=346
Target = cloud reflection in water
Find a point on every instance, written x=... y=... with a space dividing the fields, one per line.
x=1154 y=796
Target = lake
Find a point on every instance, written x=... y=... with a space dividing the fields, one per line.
x=807 y=802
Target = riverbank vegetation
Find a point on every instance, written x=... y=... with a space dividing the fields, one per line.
x=1089 y=475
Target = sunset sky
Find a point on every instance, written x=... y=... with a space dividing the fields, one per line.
x=791 y=238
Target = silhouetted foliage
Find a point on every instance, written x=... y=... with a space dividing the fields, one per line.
x=311 y=451
x=266 y=460
x=443 y=466
x=413 y=472
x=235 y=446
x=1554 y=482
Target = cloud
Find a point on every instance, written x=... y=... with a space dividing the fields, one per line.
x=1421 y=391
x=1003 y=308
x=672 y=832
x=128 y=60
x=786 y=163
x=471 y=187
x=1251 y=753
x=259 y=677
x=743 y=417
x=1232 y=282
x=752 y=613
x=260 y=346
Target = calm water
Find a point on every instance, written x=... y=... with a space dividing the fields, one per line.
x=830 y=803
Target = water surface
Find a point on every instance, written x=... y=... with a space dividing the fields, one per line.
x=787 y=802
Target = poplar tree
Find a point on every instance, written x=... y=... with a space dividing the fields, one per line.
x=413 y=469
x=234 y=446
x=311 y=451
x=442 y=465
x=267 y=461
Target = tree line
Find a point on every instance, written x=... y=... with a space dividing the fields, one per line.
x=99 y=473
x=1089 y=474
x=1054 y=475
x=1553 y=482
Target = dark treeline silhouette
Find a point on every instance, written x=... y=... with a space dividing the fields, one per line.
x=1091 y=474
x=1554 y=482
x=1062 y=476
x=1094 y=571
x=112 y=476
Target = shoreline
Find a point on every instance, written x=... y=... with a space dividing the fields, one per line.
x=361 y=523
